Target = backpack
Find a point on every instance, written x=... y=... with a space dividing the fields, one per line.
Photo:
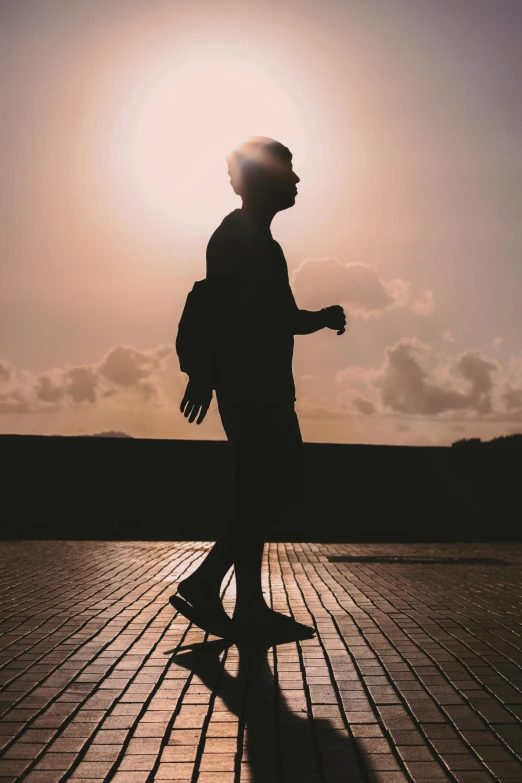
x=194 y=337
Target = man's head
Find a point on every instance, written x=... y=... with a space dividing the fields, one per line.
x=261 y=172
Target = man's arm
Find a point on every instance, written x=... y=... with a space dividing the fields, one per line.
x=233 y=283
x=310 y=321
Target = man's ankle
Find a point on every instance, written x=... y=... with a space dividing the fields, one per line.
x=201 y=584
x=250 y=609
x=202 y=578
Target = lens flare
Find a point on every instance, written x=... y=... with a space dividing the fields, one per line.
x=177 y=118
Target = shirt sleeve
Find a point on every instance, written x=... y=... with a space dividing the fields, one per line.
x=291 y=307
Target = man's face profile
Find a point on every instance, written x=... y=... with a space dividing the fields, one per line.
x=284 y=185
x=264 y=175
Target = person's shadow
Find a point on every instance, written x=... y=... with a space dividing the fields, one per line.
x=278 y=744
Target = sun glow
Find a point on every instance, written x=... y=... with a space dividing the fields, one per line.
x=176 y=118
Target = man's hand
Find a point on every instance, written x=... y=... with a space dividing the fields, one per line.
x=197 y=399
x=334 y=318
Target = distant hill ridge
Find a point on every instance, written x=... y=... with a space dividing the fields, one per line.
x=102 y=486
x=109 y=434
x=515 y=439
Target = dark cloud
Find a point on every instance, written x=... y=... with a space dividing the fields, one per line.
x=512 y=399
x=80 y=384
x=406 y=387
x=364 y=406
x=477 y=370
x=46 y=389
x=6 y=370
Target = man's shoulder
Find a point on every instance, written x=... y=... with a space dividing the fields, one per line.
x=226 y=247
x=230 y=231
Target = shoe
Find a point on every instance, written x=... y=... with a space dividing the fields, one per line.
x=275 y=630
x=211 y=622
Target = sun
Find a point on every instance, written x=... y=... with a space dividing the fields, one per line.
x=175 y=119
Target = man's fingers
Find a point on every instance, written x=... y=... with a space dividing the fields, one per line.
x=203 y=413
x=188 y=409
x=192 y=408
x=194 y=412
x=195 y=401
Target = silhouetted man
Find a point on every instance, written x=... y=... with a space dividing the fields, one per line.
x=248 y=362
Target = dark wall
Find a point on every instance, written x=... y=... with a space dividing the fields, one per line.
x=88 y=487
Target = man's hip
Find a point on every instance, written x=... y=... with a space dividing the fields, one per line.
x=266 y=445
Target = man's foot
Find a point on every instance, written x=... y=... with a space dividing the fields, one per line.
x=201 y=593
x=266 y=623
x=200 y=603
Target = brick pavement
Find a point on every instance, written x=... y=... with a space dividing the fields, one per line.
x=415 y=673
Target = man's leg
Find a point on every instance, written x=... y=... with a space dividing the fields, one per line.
x=269 y=471
x=267 y=452
x=204 y=584
x=240 y=545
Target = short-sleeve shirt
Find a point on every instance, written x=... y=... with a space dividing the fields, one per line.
x=248 y=277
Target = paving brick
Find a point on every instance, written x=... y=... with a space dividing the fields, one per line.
x=24 y=750
x=13 y=766
x=56 y=761
x=44 y=776
x=173 y=771
x=415 y=673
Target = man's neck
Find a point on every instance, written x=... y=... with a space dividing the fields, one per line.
x=258 y=218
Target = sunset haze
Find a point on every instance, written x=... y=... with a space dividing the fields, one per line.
x=405 y=124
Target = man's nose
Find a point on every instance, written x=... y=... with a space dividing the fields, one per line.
x=296 y=179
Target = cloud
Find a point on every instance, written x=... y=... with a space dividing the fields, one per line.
x=364 y=406
x=46 y=389
x=319 y=282
x=127 y=367
x=406 y=385
x=512 y=399
x=6 y=371
x=477 y=370
x=418 y=379
x=14 y=402
x=424 y=305
x=305 y=407
x=356 y=390
x=122 y=370
x=80 y=384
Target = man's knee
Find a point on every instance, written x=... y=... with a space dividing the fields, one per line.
x=288 y=499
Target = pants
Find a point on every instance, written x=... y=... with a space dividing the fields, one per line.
x=267 y=457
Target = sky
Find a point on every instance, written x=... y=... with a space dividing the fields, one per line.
x=404 y=118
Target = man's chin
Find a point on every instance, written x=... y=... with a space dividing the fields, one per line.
x=287 y=203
